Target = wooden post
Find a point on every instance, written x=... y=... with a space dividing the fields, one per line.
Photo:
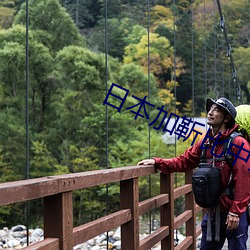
x=58 y=219
x=190 y=205
x=167 y=210
x=129 y=198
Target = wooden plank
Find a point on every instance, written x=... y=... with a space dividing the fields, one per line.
x=154 y=238
x=198 y=231
x=167 y=210
x=90 y=230
x=58 y=219
x=46 y=244
x=182 y=218
x=190 y=205
x=98 y=177
x=182 y=190
x=152 y=203
x=24 y=190
x=198 y=208
x=129 y=196
x=185 y=244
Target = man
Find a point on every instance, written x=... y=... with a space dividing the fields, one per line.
x=221 y=115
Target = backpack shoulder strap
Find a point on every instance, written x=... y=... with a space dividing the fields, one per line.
x=228 y=157
x=203 y=155
x=226 y=146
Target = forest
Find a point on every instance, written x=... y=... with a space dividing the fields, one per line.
x=57 y=68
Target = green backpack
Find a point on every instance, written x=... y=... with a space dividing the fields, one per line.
x=243 y=119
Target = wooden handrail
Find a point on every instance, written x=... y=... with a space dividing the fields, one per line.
x=56 y=191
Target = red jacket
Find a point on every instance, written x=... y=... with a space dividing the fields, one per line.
x=241 y=175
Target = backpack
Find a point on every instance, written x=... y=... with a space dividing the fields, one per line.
x=206 y=178
x=243 y=120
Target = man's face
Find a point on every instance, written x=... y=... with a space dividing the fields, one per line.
x=215 y=116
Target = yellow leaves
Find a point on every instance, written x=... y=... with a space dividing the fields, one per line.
x=180 y=66
x=161 y=16
x=166 y=96
x=237 y=4
x=160 y=53
x=161 y=12
x=203 y=114
x=188 y=108
x=171 y=85
x=6 y=17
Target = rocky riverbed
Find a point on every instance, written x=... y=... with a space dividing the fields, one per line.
x=16 y=238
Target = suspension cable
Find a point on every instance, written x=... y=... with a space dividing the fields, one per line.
x=174 y=73
x=229 y=53
x=107 y=120
x=215 y=53
x=192 y=77
x=175 y=94
x=149 y=142
x=205 y=50
x=221 y=68
x=27 y=207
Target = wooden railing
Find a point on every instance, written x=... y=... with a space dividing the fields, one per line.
x=59 y=232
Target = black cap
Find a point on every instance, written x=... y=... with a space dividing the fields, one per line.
x=223 y=103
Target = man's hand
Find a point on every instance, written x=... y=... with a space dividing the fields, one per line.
x=232 y=221
x=146 y=162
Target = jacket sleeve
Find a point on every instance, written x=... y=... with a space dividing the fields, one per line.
x=241 y=175
x=185 y=162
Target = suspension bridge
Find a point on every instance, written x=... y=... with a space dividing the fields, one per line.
x=56 y=192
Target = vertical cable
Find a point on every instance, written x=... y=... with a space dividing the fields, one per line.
x=234 y=89
x=77 y=13
x=223 y=79
x=222 y=69
x=215 y=52
x=106 y=80
x=27 y=207
x=174 y=79
x=230 y=57
x=205 y=51
x=192 y=28
x=149 y=142
x=174 y=76
x=175 y=94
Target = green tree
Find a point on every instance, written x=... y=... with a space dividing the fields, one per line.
x=242 y=64
x=161 y=57
x=78 y=75
x=13 y=60
x=117 y=32
x=6 y=17
x=53 y=25
x=84 y=13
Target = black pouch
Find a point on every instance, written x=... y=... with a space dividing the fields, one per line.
x=206 y=185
